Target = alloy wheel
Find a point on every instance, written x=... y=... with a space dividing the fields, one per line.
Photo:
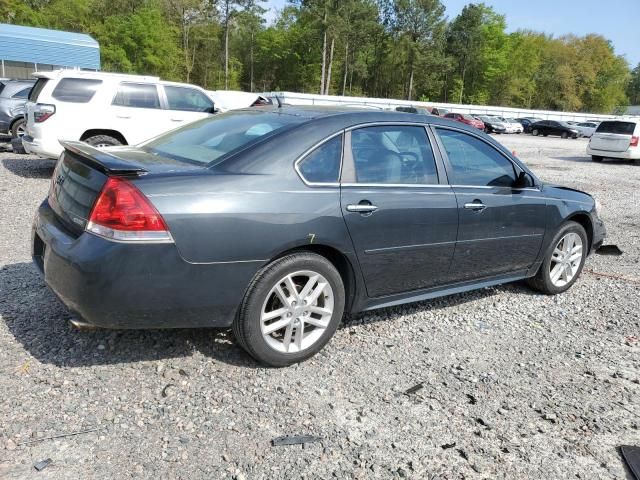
x=297 y=311
x=21 y=130
x=566 y=259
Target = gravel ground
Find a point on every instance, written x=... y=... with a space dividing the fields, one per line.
x=514 y=384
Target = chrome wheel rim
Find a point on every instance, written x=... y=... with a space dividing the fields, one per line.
x=297 y=311
x=566 y=259
x=21 y=130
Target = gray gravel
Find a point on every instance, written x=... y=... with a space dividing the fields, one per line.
x=514 y=384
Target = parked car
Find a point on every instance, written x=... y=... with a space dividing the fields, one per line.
x=410 y=109
x=553 y=127
x=586 y=129
x=466 y=119
x=226 y=100
x=526 y=122
x=217 y=224
x=437 y=111
x=513 y=126
x=106 y=109
x=615 y=139
x=13 y=96
x=493 y=125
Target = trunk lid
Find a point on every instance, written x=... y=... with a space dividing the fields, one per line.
x=82 y=171
x=613 y=136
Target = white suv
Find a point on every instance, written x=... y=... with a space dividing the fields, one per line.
x=106 y=109
x=615 y=139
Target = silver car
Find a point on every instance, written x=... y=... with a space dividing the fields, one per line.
x=13 y=96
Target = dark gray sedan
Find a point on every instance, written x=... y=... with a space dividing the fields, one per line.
x=276 y=221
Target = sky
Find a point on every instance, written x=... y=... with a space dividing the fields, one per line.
x=616 y=20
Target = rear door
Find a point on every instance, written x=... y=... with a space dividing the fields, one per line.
x=500 y=227
x=401 y=214
x=136 y=111
x=613 y=136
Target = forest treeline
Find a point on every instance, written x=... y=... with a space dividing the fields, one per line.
x=408 y=49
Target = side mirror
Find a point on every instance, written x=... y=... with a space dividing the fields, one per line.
x=524 y=180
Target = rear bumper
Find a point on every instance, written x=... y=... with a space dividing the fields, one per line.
x=119 y=285
x=632 y=153
x=44 y=148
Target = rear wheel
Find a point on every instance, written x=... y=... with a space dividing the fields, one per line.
x=563 y=260
x=596 y=158
x=19 y=128
x=99 y=141
x=564 y=135
x=291 y=309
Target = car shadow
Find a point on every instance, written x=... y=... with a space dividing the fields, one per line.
x=40 y=323
x=612 y=161
x=30 y=167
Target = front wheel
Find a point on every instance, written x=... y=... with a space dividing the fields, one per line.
x=291 y=309
x=535 y=132
x=596 y=158
x=564 y=135
x=563 y=260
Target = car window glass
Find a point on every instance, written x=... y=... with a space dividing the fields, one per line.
x=76 y=90
x=24 y=93
x=474 y=162
x=187 y=99
x=137 y=95
x=622 y=128
x=393 y=155
x=323 y=164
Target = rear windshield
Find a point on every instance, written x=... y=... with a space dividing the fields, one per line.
x=37 y=88
x=208 y=140
x=622 y=128
x=76 y=90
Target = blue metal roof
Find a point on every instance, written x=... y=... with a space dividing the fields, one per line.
x=51 y=47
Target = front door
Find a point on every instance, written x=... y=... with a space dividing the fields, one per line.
x=401 y=215
x=500 y=227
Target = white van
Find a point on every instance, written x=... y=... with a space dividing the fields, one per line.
x=105 y=109
x=615 y=139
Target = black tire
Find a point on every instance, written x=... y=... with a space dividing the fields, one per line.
x=246 y=326
x=564 y=135
x=17 y=129
x=545 y=134
x=102 y=141
x=542 y=279
x=596 y=158
x=535 y=132
x=575 y=137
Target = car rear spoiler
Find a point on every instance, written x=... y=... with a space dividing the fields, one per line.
x=105 y=161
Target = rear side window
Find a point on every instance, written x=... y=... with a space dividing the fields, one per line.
x=621 y=128
x=24 y=93
x=37 y=88
x=75 y=90
x=394 y=154
x=474 y=162
x=187 y=99
x=137 y=95
x=323 y=164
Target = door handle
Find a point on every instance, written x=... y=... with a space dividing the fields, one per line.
x=476 y=205
x=362 y=208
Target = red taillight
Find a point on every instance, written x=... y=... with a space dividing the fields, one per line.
x=42 y=111
x=634 y=141
x=123 y=213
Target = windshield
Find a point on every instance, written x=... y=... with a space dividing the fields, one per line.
x=208 y=140
x=467 y=117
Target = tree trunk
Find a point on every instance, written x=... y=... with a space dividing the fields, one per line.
x=324 y=53
x=251 y=74
x=346 y=68
x=327 y=85
x=464 y=72
x=226 y=46
x=410 y=83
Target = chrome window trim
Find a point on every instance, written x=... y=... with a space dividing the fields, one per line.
x=310 y=150
x=396 y=185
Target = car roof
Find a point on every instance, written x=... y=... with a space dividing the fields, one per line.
x=54 y=74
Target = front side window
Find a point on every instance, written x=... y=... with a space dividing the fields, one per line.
x=137 y=95
x=394 y=154
x=74 y=90
x=322 y=165
x=187 y=99
x=474 y=162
